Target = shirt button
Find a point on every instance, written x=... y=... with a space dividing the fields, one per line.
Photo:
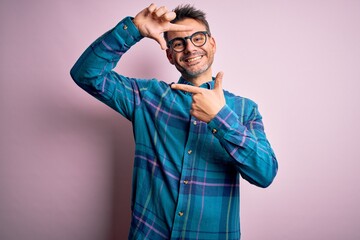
x=195 y=123
x=125 y=27
x=190 y=151
x=185 y=181
x=214 y=131
x=180 y=214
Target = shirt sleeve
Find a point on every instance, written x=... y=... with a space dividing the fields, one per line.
x=94 y=73
x=246 y=143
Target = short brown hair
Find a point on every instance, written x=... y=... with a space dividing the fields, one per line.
x=188 y=11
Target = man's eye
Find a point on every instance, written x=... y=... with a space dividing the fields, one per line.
x=198 y=39
x=177 y=44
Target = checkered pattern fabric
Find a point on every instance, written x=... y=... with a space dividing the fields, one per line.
x=186 y=172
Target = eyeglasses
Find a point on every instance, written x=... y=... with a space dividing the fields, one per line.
x=179 y=44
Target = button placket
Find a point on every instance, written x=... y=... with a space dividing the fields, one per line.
x=185 y=178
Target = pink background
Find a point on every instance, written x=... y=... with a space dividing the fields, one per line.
x=66 y=159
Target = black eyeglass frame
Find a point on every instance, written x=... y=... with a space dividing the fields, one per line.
x=169 y=43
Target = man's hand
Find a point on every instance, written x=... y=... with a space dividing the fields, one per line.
x=206 y=103
x=152 y=22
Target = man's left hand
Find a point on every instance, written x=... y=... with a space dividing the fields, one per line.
x=206 y=102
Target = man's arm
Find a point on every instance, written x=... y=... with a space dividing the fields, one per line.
x=94 y=69
x=244 y=140
x=94 y=73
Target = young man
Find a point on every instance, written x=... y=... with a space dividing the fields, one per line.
x=193 y=140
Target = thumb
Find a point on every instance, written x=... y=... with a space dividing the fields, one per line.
x=161 y=41
x=218 y=80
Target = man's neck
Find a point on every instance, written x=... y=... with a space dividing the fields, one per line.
x=199 y=80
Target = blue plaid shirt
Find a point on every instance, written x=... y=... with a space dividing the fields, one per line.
x=186 y=172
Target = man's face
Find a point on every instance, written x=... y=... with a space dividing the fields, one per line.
x=193 y=61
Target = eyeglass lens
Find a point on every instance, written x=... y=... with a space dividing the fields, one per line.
x=179 y=44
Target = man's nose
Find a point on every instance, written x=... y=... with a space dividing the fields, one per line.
x=189 y=47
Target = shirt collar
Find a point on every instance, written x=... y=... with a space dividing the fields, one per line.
x=208 y=85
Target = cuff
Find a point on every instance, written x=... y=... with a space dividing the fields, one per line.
x=127 y=31
x=114 y=43
x=224 y=121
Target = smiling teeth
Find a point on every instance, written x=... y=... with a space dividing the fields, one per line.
x=193 y=59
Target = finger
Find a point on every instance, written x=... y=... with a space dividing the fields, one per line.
x=186 y=88
x=146 y=11
x=160 y=11
x=151 y=8
x=161 y=41
x=179 y=28
x=169 y=16
x=218 y=80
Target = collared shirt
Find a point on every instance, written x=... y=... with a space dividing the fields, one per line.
x=186 y=172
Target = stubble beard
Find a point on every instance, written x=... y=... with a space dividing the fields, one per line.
x=193 y=73
x=188 y=73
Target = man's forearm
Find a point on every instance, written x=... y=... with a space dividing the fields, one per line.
x=101 y=56
x=247 y=145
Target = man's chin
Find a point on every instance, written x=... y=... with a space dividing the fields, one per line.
x=191 y=72
x=195 y=73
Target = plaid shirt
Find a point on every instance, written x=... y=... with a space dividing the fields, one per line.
x=186 y=172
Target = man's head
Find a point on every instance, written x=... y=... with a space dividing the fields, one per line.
x=192 y=52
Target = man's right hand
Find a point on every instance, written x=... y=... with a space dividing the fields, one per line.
x=152 y=22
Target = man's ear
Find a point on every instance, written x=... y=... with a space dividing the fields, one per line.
x=213 y=43
x=169 y=56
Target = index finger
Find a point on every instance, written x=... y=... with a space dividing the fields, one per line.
x=173 y=27
x=169 y=16
x=186 y=88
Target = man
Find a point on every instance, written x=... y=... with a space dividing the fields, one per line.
x=193 y=140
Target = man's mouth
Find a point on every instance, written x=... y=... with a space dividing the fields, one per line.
x=189 y=60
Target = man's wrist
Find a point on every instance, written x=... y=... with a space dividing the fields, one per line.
x=225 y=119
